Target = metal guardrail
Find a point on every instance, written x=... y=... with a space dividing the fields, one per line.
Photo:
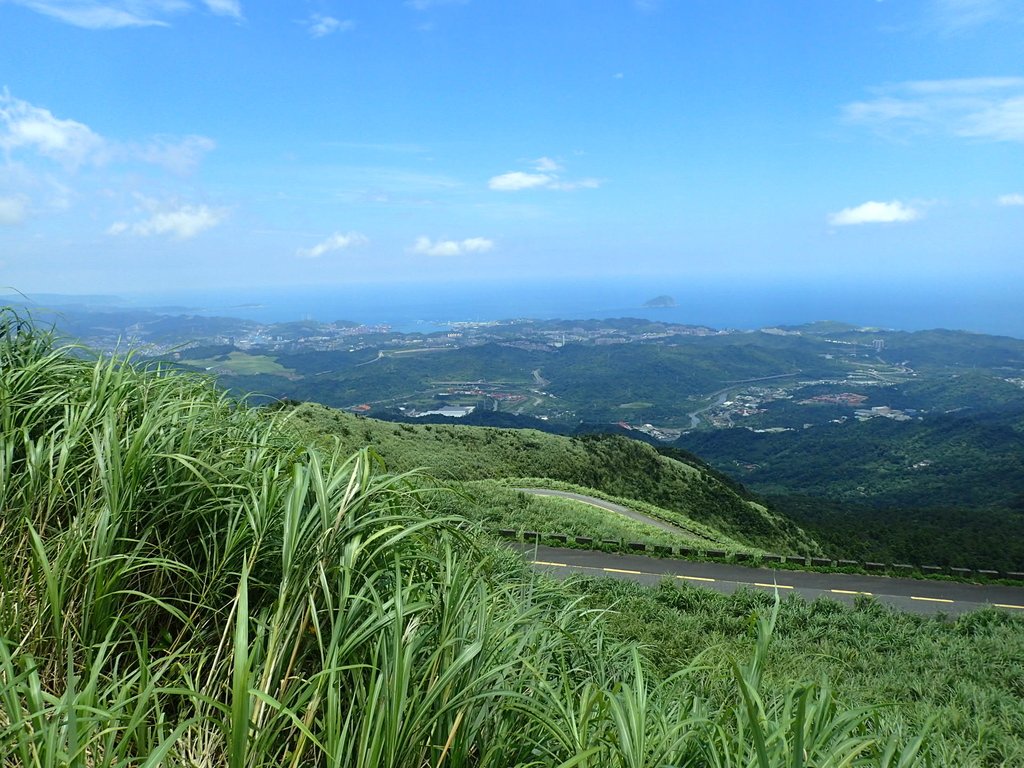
x=662 y=550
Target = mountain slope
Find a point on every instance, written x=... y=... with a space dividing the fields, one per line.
x=613 y=464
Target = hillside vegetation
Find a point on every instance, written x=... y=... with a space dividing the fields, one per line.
x=948 y=490
x=613 y=464
x=185 y=584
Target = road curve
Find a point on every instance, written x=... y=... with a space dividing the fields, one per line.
x=611 y=507
x=911 y=595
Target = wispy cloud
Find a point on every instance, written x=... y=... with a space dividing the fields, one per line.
x=27 y=128
x=232 y=8
x=181 y=222
x=114 y=14
x=319 y=25
x=24 y=126
x=547 y=176
x=428 y=247
x=546 y=165
x=517 y=180
x=423 y=5
x=952 y=16
x=13 y=210
x=1012 y=199
x=873 y=212
x=984 y=108
x=179 y=155
x=336 y=242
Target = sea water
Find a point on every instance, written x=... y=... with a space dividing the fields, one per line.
x=993 y=307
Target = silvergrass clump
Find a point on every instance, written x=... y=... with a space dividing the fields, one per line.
x=183 y=584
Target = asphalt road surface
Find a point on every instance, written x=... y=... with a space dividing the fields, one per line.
x=912 y=595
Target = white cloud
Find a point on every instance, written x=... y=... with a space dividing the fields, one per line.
x=321 y=26
x=114 y=14
x=565 y=186
x=232 y=8
x=180 y=156
x=516 y=180
x=1000 y=121
x=13 y=210
x=546 y=165
x=547 y=178
x=873 y=212
x=1013 y=199
x=423 y=5
x=182 y=223
x=987 y=108
x=430 y=247
x=957 y=15
x=336 y=242
x=23 y=126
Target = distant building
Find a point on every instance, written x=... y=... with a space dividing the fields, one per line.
x=455 y=412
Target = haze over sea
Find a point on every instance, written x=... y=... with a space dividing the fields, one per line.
x=982 y=307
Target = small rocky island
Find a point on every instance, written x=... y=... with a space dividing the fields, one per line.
x=660 y=301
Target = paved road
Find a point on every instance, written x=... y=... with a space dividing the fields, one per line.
x=912 y=595
x=617 y=508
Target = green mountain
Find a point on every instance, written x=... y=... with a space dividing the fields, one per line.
x=187 y=580
x=615 y=465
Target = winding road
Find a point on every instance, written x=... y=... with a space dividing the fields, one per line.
x=911 y=595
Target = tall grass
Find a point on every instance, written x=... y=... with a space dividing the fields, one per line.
x=182 y=584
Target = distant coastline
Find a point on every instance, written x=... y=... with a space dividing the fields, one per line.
x=720 y=303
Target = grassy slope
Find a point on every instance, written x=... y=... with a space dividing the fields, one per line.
x=963 y=678
x=184 y=584
x=615 y=465
x=497 y=504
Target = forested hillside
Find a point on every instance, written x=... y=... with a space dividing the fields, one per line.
x=948 y=489
x=613 y=464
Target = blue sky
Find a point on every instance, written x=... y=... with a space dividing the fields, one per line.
x=176 y=144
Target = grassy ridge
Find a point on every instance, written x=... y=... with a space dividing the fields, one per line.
x=494 y=504
x=615 y=465
x=184 y=584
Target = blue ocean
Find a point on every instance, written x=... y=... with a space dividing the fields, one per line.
x=991 y=307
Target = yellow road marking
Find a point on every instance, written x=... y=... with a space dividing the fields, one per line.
x=545 y=562
x=620 y=570
x=931 y=599
x=848 y=592
x=694 y=578
x=772 y=586
x=1009 y=605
